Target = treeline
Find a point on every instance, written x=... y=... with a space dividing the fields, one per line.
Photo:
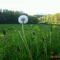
x=11 y=17
x=50 y=19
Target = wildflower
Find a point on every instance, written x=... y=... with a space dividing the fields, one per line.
x=23 y=19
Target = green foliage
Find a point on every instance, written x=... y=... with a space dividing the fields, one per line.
x=51 y=19
x=33 y=20
x=11 y=17
x=38 y=37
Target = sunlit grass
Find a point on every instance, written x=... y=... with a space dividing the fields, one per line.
x=43 y=41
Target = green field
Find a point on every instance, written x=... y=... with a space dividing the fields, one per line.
x=34 y=42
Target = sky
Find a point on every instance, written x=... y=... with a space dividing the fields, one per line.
x=32 y=7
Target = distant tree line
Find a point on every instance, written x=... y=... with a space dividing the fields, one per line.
x=50 y=19
x=11 y=17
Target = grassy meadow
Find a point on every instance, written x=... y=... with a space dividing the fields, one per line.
x=29 y=42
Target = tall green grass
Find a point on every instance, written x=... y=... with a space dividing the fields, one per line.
x=42 y=40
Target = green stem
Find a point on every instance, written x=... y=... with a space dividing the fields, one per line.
x=25 y=42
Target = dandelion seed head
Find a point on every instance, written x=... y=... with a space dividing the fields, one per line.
x=23 y=19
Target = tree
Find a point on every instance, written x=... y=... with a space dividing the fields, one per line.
x=11 y=17
x=32 y=20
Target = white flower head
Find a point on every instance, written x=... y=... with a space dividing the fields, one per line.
x=23 y=19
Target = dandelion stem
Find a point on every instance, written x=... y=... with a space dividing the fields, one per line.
x=25 y=42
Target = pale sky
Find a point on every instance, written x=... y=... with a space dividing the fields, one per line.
x=32 y=6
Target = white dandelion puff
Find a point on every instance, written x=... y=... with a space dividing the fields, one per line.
x=23 y=19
